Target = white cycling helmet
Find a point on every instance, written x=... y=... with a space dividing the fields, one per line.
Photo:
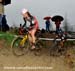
x=24 y=11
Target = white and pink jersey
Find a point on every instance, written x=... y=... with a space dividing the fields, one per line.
x=36 y=24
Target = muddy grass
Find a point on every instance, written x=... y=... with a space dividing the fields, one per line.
x=60 y=63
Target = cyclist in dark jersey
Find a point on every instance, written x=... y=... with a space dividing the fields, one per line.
x=33 y=26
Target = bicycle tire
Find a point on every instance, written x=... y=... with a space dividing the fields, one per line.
x=16 y=49
x=54 y=49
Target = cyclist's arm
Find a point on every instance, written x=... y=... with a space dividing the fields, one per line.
x=24 y=22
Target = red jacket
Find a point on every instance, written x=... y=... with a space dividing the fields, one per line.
x=57 y=24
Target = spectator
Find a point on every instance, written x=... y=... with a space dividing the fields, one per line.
x=47 y=25
x=57 y=23
x=5 y=26
x=0 y=22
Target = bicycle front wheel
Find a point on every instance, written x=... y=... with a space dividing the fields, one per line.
x=16 y=47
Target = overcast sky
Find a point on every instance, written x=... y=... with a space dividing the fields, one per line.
x=40 y=9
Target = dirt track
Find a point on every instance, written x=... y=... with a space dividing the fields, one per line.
x=7 y=59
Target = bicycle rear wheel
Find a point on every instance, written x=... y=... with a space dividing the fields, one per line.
x=57 y=49
x=54 y=49
x=17 y=49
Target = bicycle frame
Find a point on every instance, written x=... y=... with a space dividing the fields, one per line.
x=46 y=39
x=24 y=40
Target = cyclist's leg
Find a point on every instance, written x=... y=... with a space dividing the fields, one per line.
x=32 y=38
x=33 y=31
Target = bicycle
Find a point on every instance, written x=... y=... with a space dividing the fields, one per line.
x=23 y=40
x=59 y=48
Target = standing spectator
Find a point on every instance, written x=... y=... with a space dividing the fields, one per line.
x=57 y=23
x=0 y=22
x=47 y=25
x=57 y=19
x=5 y=26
